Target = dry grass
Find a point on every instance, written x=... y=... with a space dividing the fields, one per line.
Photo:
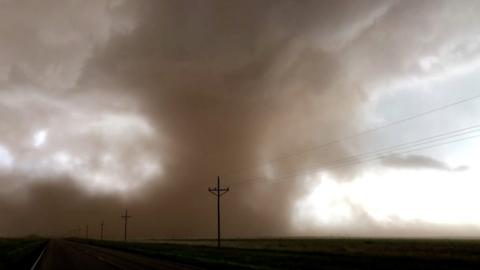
x=312 y=253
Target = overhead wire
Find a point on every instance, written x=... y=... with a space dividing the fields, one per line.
x=353 y=136
x=359 y=134
x=417 y=142
x=382 y=153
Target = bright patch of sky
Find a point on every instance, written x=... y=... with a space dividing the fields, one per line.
x=82 y=141
x=398 y=195
x=40 y=138
x=6 y=159
x=391 y=198
x=413 y=99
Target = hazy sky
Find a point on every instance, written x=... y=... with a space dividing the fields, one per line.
x=141 y=104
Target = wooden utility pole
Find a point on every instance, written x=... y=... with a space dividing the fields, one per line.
x=218 y=191
x=101 y=231
x=126 y=217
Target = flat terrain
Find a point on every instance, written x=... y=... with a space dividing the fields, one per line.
x=61 y=254
x=439 y=247
x=311 y=253
x=241 y=254
x=19 y=253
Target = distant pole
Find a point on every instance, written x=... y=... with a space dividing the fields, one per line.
x=101 y=231
x=87 y=231
x=218 y=191
x=126 y=216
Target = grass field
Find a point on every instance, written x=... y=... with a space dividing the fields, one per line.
x=312 y=253
x=19 y=253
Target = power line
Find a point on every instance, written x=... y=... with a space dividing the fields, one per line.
x=352 y=136
x=381 y=151
x=407 y=145
x=348 y=161
x=408 y=151
x=358 y=134
x=418 y=142
x=439 y=137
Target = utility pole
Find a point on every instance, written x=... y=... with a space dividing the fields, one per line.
x=87 y=231
x=101 y=231
x=218 y=191
x=126 y=216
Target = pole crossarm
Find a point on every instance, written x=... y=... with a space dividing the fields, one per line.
x=126 y=217
x=218 y=192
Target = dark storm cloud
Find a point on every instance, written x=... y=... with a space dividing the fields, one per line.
x=225 y=82
x=199 y=88
x=234 y=84
x=418 y=162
